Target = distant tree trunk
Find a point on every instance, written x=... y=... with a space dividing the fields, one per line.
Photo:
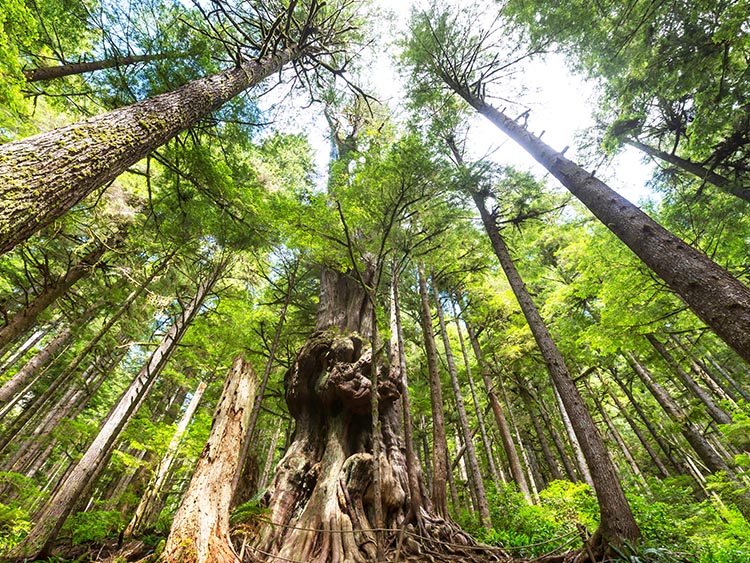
x=692 y=434
x=742 y=391
x=699 y=368
x=617 y=523
x=698 y=170
x=270 y=456
x=663 y=471
x=615 y=433
x=69 y=69
x=145 y=513
x=475 y=400
x=655 y=434
x=439 y=440
x=720 y=416
x=580 y=460
x=26 y=317
x=22 y=349
x=570 y=470
x=471 y=454
x=712 y=293
x=514 y=463
x=40 y=540
x=533 y=489
x=43 y=176
x=554 y=470
x=200 y=529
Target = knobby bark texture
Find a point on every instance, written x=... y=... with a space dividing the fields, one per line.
x=43 y=176
x=713 y=294
x=40 y=540
x=320 y=502
x=200 y=529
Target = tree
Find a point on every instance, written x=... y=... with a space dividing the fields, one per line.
x=40 y=539
x=446 y=51
x=47 y=174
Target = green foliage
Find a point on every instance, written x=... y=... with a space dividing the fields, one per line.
x=14 y=525
x=248 y=513
x=94 y=525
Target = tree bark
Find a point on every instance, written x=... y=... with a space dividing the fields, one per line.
x=69 y=69
x=40 y=540
x=570 y=471
x=24 y=319
x=43 y=176
x=712 y=293
x=617 y=523
x=509 y=446
x=471 y=454
x=439 y=440
x=705 y=174
x=720 y=416
x=22 y=349
x=200 y=529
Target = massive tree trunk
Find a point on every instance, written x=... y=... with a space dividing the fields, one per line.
x=617 y=522
x=713 y=294
x=69 y=69
x=200 y=529
x=40 y=540
x=698 y=170
x=43 y=176
x=320 y=503
x=471 y=453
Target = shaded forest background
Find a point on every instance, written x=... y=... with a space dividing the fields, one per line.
x=208 y=246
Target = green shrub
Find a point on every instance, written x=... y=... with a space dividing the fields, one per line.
x=14 y=525
x=94 y=525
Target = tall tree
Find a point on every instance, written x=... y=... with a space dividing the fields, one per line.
x=445 y=50
x=45 y=175
x=68 y=495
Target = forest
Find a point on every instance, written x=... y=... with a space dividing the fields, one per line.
x=261 y=303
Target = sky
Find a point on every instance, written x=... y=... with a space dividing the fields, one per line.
x=561 y=105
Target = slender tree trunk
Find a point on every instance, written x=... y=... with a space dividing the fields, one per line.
x=475 y=400
x=712 y=293
x=570 y=470
x=43 y=176
x=40 y=540
x=22 y=349
x=705 y=174
x=663 y=471
x=69 y=69
x=692 y=434
x=511 y=453
x=655 y=433
x=617 y=522
x=554 y=470
x=533 y=489
x=720 y=416
x=270 y=456
x=200 y=529
x=398 y=364
x=439 y=441
x=715 y=383
x=615 y=433
x=471 y=454
x=26 y=318
x=144 y=514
